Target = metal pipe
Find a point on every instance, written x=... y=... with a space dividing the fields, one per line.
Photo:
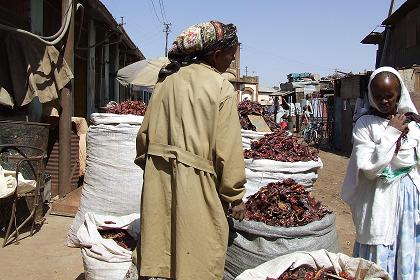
x=64 y=161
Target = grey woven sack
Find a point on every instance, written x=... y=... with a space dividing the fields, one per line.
x=253 y=243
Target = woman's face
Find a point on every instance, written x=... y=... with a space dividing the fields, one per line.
x=386 y=91
x=223 y=58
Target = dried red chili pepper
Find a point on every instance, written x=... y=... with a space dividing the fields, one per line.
x=285 y=204
x=121 y=236
x=128 y=107
x=280 y=146
x=247 y=107
x=306 y=272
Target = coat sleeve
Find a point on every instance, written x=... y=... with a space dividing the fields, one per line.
x=142 y=142
x=230 y=165
x=371 y=157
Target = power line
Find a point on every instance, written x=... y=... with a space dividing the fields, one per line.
x=154 y=9
x=162 y=10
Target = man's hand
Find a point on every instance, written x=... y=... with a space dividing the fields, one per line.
x=238 y=210
x=398 y=121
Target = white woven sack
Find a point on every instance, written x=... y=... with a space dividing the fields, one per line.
x=108 y=118
x=104 y=258
x=267 y=165
x=113 y=183
x=256 y=180
x=249 y=135
x=356 y=267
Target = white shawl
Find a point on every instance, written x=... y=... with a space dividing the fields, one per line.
x=373 y=200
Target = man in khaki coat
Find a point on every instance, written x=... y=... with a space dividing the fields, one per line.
x=190 y=148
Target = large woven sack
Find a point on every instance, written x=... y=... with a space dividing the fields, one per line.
x=355 y=267
x=260 y=172
x=104 y=259
x=253 y=243
x=113 y=183
x=249 y=135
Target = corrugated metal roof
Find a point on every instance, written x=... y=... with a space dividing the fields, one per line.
x=401 y=12
x=281 y=93
x=266 y=89
x=100 y=7
x=373 y=38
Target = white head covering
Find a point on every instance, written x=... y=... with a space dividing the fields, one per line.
x=404 y=104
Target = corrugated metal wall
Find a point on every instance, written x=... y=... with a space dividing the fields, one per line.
x=52 y=164
x=404 y=47
x=346 y=93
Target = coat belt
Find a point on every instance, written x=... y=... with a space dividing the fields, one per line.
x=181 y=155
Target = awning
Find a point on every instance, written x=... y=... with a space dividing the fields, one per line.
x=142 y=73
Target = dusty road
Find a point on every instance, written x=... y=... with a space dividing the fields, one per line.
x=327 y=189
x=45 y=255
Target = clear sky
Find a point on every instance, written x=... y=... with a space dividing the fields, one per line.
x=278 y=36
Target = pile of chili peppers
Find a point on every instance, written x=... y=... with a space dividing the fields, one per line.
x=128 y=107
x=306 y=272
x=121 y=236
x=247 y=107
x=285 y=204
x=281 y=147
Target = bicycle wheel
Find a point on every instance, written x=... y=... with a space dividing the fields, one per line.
x=318 y=136
x=314 y=136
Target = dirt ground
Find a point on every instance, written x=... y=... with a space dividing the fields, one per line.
x=46 y=256
x=327 y=189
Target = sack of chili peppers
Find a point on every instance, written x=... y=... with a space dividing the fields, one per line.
x=112 y=180
x=315 y=265
x=248 y=136
x=247 y=107
x=281 y=218
x=115 y=119
x=278 y=156
x=107 y=243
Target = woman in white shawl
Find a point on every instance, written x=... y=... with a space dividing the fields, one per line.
x=382 y=181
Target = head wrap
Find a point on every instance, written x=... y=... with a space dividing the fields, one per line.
x=405 y=104
x=198 y=41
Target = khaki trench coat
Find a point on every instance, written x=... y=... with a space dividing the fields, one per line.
x=190 y=148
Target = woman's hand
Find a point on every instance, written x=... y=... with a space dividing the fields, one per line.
x=238 y=210
x=398 y=121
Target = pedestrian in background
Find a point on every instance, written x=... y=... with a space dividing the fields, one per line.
x=382 y=181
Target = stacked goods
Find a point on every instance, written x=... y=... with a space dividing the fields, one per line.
x=111 y=150
x=247 y=107
x=127 y=108
x=280 y=146
x=285 y=204
x=306 y=272
x=112 y=186
x=279 y=156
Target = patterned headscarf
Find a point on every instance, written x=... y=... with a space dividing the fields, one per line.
x=198 y=41
x=202 y=39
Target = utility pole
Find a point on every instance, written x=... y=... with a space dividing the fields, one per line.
x=246 y=71
x=387 y=35
x=167 y=30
